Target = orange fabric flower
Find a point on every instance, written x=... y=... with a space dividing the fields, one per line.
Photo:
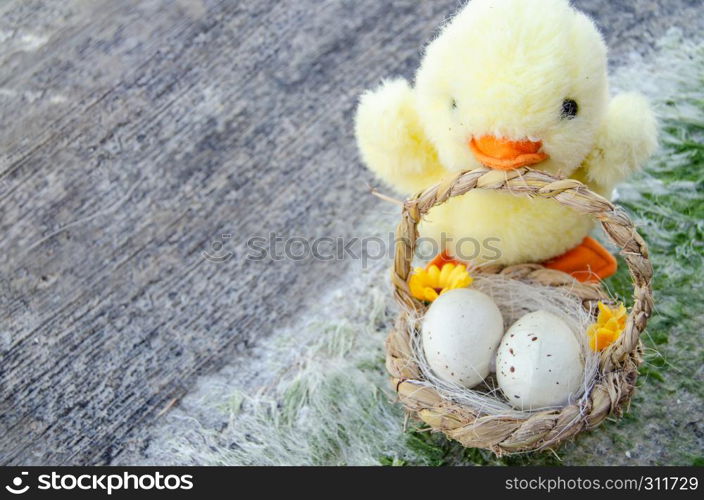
x=428 y=284
x=608 y=327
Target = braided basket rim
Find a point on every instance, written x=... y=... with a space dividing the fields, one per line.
x=618 y=364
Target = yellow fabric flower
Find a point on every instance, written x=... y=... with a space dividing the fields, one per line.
x=428 y=284
x=608 y=327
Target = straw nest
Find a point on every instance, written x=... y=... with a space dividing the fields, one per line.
x=617 y=370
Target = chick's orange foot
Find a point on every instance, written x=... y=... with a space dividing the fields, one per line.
x=444 y=258
x=589 y=262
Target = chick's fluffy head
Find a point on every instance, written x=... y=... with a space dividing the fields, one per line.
x=505 y=68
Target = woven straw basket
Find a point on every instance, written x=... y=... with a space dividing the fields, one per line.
x=618 y=364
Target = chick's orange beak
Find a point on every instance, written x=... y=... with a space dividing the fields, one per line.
x=503 y=154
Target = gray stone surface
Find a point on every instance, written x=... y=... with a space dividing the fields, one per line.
x=134 y=134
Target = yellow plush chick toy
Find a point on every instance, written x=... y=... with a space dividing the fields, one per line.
x=508 y=84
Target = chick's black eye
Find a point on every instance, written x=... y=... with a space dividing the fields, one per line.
x=453 y=104
x=569 y=109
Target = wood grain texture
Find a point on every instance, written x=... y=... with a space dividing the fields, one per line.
x=133 y=135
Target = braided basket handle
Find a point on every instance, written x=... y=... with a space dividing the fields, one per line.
x=533 y=183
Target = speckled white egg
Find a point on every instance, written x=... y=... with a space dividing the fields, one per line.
x=460 y=332
x=539 y=362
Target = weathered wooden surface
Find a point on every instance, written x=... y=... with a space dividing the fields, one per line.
x=133 y=135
